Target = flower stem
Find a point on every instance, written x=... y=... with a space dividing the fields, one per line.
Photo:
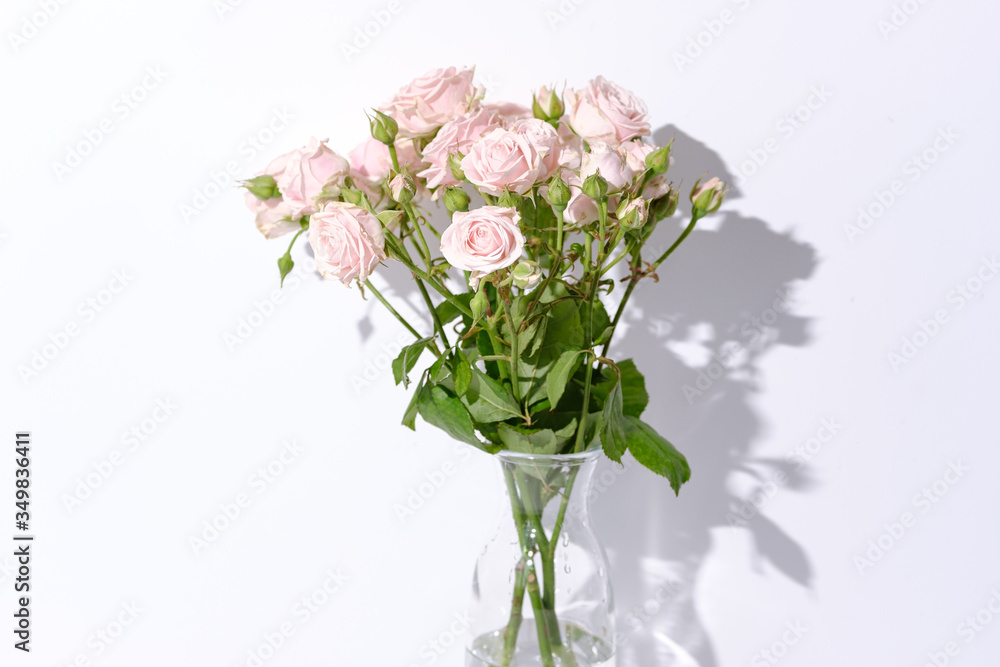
x=636 y=276
x=402 y=320
x=559 y=233
x=514 y=353
x=540 y=624
x=434 y=314
x=516 y=614
x=690 y=228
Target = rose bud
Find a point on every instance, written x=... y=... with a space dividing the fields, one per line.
x=707 y=197
x=559 y=194
x=402 y=188
x=455 y=167
x=632 y=213
x=456 y=200
x=595 y=187
x=659 y=160
x=384 y=128
x=526 y=274
x=262 y=187
x=546 y=105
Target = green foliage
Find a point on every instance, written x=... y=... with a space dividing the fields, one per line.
x=653 y=451
x=407 y=359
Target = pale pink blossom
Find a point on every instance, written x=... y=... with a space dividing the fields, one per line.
x=431 y=100
x=307 y=172
x=606 y=112
x=455 y=137
x=502 y=159
x=483 y=240
x=347 y=241
x=611 y=163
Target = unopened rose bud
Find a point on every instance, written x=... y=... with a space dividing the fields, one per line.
x=632 y=213
x=546 y=105
x=384 y=128
x=595 y=186
x=509 y=199
x=480 y=304
x=707 y=197
x=526 y=274
x=262 y=187
x=402 y=188
x=456 y=200
x=455 y=166
x=672 y=199
x=558 y=193
x=659 y=160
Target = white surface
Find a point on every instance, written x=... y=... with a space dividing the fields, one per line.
x=730 y=591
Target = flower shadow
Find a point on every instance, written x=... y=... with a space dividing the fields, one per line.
x=698 y=336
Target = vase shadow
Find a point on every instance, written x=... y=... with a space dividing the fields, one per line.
x=694 y=337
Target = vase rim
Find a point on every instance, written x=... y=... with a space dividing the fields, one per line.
x=577 y=457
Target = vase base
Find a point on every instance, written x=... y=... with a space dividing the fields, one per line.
x=487 y=650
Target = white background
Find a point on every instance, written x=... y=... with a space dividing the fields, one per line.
x=301 y=374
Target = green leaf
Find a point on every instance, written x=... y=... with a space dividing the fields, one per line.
x=462 y=372
x=528 y=442
x=488 y=400
x=634 y=394
x=605 y=336
x=653 y=451
x=443 y=410
x=612 y=426
x=560 y=373
x=407 y=359
x=285 y=266
x=485 y=347
x=593 y=329
x=540 y=441
x=447 y=311
x=410 y=416
x=562 y=332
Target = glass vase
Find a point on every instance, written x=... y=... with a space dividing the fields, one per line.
x=541 y=590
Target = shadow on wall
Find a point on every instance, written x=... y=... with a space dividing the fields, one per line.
x=703 y=310
x=708 y=295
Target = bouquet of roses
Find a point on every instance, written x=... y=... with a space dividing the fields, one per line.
x=544 y=203
x=564 y=191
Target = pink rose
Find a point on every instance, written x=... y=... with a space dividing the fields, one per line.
x=606 y=112
x=274 y=217
x=307 y=172
x=635 y=155
x=508 y=111
x=545 y=140
x=455 y=137
x=612 y=164
x=431 y=100
x=483 y=240
x=581 y=209
x=570 y=147
x=502 y=159
x=347 y=240
x=370 y=159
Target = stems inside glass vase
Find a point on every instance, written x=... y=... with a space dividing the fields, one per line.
x=528 y=503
